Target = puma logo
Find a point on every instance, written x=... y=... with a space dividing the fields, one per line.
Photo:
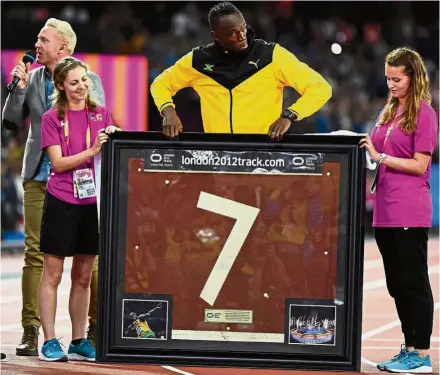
x=254 y=63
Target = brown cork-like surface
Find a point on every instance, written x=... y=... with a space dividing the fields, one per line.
x=290 y=252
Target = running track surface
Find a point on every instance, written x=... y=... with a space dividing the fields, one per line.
x=381 y=337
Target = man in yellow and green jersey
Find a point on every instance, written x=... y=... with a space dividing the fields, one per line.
x=240 y=81
x=141 y=326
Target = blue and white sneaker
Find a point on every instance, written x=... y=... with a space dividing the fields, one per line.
x=412 y=363
x=51 y=351
x=397 y=357
x=84 y=351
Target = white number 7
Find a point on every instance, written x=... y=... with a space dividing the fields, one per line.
x=245 y=216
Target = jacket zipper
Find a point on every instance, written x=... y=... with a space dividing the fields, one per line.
x=230 y=113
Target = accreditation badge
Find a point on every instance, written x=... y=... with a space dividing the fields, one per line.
x=83 y=183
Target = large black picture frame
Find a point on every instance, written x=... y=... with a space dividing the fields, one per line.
x=352 y=202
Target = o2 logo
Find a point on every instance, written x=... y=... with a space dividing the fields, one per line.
x=210 y=315
x=298 y=161
x=156 y=158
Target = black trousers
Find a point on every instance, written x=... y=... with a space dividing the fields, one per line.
x=405 y=258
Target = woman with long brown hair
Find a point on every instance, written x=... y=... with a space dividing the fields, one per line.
x=73 y=132
x=402 y=142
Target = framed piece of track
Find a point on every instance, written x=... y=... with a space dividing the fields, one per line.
x=231 y=250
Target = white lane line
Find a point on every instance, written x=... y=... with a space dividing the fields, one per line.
x=171 y=368
x=433 y=339
x=381 y=329
x=17 y=326
x=368 y=362
x=18 y=298
x=394 y=347
x=368 y=264
x=374 y=263
x=388 y=326
x=381 y=282
x=17 y=280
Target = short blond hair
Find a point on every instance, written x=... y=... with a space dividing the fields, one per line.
x=65 y=31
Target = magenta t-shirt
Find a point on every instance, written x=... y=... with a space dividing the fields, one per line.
x=60 y=185
x=403 y=199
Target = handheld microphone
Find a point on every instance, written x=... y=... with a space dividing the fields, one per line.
x=29 y=57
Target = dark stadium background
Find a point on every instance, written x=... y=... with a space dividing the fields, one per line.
x=164 y=31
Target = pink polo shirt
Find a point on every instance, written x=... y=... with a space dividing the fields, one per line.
x=403 y=199
x=60 y=185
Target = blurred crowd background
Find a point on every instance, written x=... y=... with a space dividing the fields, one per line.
x=162 y=32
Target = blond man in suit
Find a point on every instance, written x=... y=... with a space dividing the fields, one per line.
x=31 y=98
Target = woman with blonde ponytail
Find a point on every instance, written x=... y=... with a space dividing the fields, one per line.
x=402 y=142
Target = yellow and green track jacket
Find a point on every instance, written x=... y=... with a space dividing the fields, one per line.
x=242 y=93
